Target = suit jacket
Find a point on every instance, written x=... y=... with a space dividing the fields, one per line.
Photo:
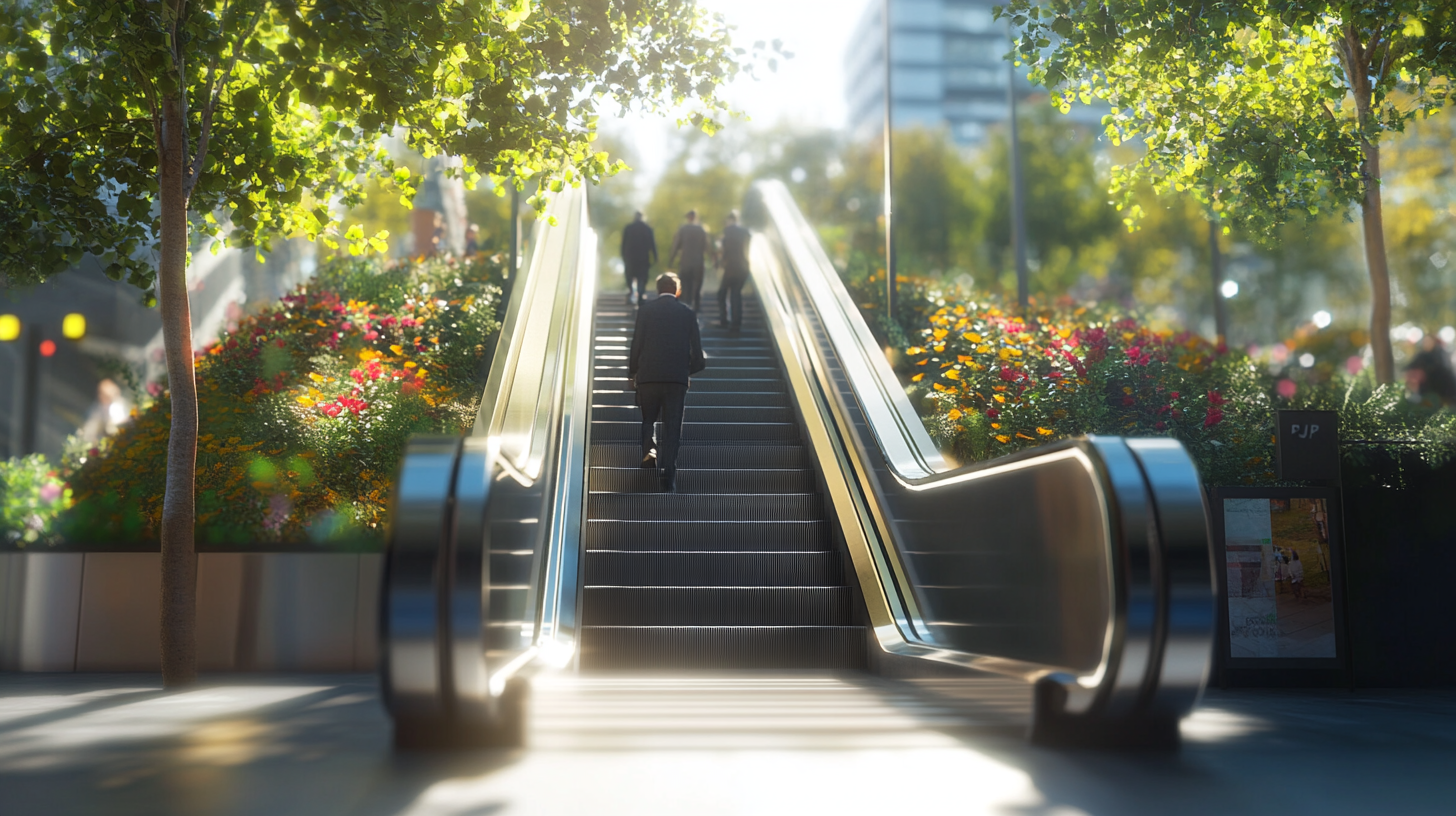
x=639 y=245
x=666 y=347
x=691 y=241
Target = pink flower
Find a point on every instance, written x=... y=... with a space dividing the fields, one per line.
x=1286 y=388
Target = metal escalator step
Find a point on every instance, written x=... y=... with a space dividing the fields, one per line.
x=614 y=368
x=698 y=507
x=618 y=382
x=789 y=536
x=697 y=413
x=708 y=455
x=699 y=647
x=716 y=606
x=696 y=398
x=610 y=431
x=693 y=480
x=692 y=569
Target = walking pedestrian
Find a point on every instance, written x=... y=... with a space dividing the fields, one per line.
x=691 y=242
x=734 y=263
x=1296 y=577
x=666 y=351
x=639 y=253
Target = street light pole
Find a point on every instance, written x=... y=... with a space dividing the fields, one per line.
x=889 y=180
x=1018 y=203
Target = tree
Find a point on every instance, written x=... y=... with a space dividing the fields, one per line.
x=1262 y=109
x=126 y=123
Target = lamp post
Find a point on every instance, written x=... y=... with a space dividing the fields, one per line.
x=889 y=179
x=1018 y=203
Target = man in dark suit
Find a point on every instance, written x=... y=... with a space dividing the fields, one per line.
x=734 y=263
x=691 y=243
x=639 y=253
x=666 y=352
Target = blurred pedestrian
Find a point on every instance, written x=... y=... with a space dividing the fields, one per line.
x=1429 y=373
x=733 y=260
x=1296 y=577
x=666 y=351
x=691 y=242
x=108 y=413
x=639 y=253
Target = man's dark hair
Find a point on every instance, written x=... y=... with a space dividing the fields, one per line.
x=637 y=216
x=733 y=215
x=692 y=214
x=668 y=284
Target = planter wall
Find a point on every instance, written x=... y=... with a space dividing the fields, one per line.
x=98 y=611
x=1400 y=556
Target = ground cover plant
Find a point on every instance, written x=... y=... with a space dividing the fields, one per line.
x=305 y=408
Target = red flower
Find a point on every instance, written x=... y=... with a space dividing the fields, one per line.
x=330 y=410
x=992 y=413
x=1161 y=426
x=1214 y=417
x=1215 y=398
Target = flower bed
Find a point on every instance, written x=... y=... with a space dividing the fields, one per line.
x=989 y=383
x=305 y=408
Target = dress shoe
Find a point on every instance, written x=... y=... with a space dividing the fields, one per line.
x=649 y=460
x=669 y=482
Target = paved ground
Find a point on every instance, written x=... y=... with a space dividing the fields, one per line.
x=749 y=744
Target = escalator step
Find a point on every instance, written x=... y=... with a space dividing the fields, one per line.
x=716 y=399
x=698 y=414
x=716 y=569
x=618 y=382
x=614 y=368
x=610 y=431
x=717 y=456
x=742 y=480
x=643 y=536
x=716 y=606
x=692 y=647
x=698 y=507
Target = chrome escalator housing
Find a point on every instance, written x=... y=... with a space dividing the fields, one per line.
x=480 y=580
x=1082 y=566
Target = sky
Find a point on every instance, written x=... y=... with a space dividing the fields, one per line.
x=806 y=90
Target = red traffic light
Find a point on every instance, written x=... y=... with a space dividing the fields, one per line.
x=47 y=348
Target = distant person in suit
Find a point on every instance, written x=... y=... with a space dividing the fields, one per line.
x=691 y=243
x=733 y=260
x=639 y=253
x=666 y=352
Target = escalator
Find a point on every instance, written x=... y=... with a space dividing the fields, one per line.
x=815 y=525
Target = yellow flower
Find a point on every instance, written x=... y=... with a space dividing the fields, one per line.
x=972 y=337
x=1001 y=398
x=398 y=350
x=955 y=413
x=315 y=376
x=952 y=375
x=1045 y=431
x=1005 y=354
x=915 y=350
x=918 y=377
x=305 y=402
x=1003 y=438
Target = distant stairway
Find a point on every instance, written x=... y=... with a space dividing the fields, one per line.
x=737 y=568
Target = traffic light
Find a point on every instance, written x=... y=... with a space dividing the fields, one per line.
x=73 y=326
x=9 y=328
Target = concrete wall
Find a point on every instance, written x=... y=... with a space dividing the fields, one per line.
x=255 y=611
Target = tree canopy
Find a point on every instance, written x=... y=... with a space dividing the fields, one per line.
x=1263 y=110
x=285 y=102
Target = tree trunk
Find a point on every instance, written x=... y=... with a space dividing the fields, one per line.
x=179 y=554
x=1374 y=223
x=1215 y=263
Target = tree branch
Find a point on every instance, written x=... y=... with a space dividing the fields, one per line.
x=213 y=100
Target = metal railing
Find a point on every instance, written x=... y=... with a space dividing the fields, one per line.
x=1082 y=566
x=480 y=573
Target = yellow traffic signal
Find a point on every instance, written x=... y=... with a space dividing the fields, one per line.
x=73 y=326
x=9 y=327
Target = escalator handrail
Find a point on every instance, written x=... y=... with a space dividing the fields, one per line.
x=531 y=428
x=1157 y=646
